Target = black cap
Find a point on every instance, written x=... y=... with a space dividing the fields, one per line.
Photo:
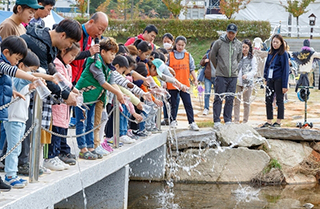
x=232 y=28
x=306 y=42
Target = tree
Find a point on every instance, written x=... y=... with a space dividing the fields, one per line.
x=229 y=7
x=174 y=6
x=82 y=5
x=297 y=8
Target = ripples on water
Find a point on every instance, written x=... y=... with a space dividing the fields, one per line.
x=143 y=195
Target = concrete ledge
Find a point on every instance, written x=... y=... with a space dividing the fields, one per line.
x=60 y=185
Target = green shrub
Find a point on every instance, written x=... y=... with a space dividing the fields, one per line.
x=272 y=164
x=188 y=28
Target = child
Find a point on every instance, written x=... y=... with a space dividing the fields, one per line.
x=183 y=64
x=13 y=49
x=16 y=124
x=209 y=78
x=59 y=150
x=144 y=50
x=247 y=69
x=95 y=79
x=23 y=12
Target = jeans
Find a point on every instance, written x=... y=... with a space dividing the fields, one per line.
x=186 y=99
x=208 y=84
x=55 y=146
x=84 y=124
x=224 y=85
x=124 y=121
x=15 y=131
x=274 y=86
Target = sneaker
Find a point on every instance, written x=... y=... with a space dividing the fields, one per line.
x=266 y=125
x=130 y=133
x=110 y=141
x=165 y=122
x=24 y=170
x=68 y=159
x=126 y=139
x=107 y=147
x=45 y=170
x=66 y=166
x=205 y=112
x=14 y=182
x=174 y=124
x=276 y=125
x=101 y=151
x=217 y=124
x=228 y=123
x=143 y=133
x=52 y=164
x=4 y=187
x=88 y=155
x=193 y=126
x=25 y=182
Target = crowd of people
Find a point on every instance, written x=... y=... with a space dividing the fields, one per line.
x=97 y=71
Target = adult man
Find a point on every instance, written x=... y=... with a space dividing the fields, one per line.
x=149 y=34
x=45 y=43
x=94 y=28
x=42 y=13
x=225 y=56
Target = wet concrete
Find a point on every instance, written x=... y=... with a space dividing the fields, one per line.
x=145 y=195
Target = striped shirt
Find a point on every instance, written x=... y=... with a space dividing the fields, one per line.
x=122 y=81
x=7 y=69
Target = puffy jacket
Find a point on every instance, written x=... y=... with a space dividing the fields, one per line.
x=6 y=91
x=225 y=56
x=61 y=112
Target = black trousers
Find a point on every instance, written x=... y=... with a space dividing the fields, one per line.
x=274 y=87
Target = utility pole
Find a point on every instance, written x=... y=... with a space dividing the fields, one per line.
x=88 y=8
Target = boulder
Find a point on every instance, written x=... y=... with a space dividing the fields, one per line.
x=191 y=139
x=316 y=147
x=221 y=165
x=291 y=155
x=294 y=134
x=238 y=135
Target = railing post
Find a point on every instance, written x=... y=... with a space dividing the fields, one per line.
x=35 y=139
x=158 y=121
x=116 y=122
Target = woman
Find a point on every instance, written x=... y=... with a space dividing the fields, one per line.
x=247 y=69
x=276 y=73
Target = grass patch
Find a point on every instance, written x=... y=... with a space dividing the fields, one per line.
x=205 y=124
x=272 y=164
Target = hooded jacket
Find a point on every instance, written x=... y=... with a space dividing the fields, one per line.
x=225 y=56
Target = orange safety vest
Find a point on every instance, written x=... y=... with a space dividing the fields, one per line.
x=182 y=69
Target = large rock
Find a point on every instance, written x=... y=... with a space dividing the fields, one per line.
x=192 y=139
x=294 y=134
x=221 y=165
x=290 y=155
x=239 y=135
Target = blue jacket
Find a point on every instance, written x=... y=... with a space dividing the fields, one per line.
x=280 y=65
x=5 y=91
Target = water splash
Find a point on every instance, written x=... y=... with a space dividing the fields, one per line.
x=246 y=194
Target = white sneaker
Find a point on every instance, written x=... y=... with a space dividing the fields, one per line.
x=45 y=170
x=66 y=166
x=173 y=124
x=205 y=112
x=217 y=124
x=126 y=139
x=228 y=123
x=193 y=126
x=101 y=151
x=52 y=164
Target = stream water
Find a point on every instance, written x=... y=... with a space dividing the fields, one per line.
x=145 y=195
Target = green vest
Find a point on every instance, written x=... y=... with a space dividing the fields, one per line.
x=92 y=91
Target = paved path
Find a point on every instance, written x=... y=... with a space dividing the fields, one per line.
x=294 y=110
